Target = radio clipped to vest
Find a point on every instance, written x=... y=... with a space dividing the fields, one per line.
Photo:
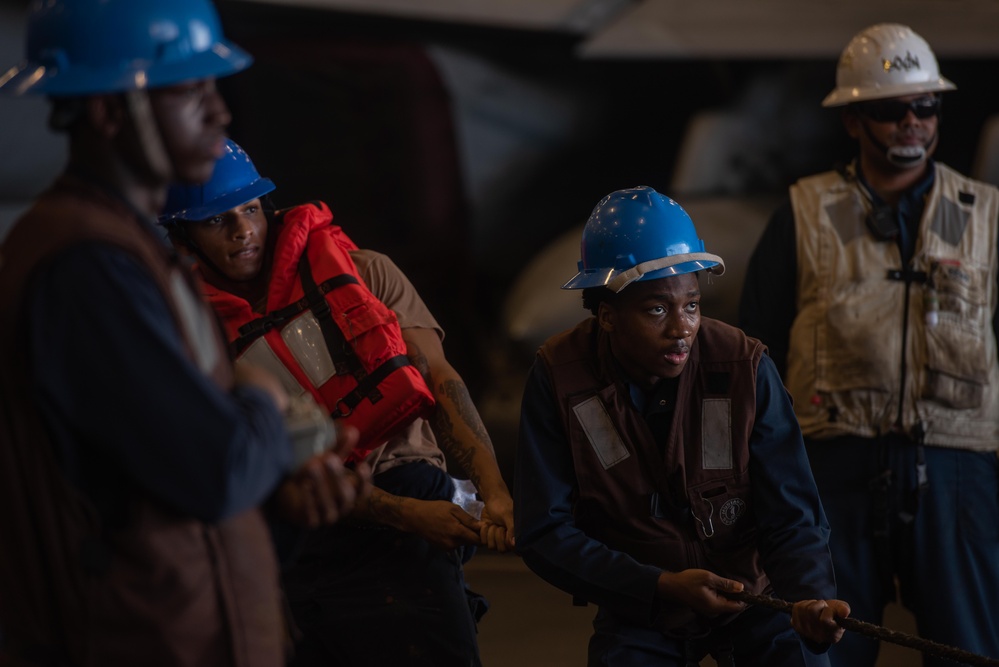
x=331 y=336
x=881 y=219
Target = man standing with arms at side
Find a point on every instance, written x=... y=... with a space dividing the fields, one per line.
x=132 y=457
x=875 y=289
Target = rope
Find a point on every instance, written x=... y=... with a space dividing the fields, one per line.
x=879 y=632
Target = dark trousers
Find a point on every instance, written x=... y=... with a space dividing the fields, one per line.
x=366 y=595
x=758 y=637
x=942 y=543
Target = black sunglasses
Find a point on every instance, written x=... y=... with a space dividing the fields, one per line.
x=893 y=111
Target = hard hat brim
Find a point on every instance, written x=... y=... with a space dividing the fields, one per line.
x=30 y=78
x=218 y=206
x=843 y=96
x=665 y=267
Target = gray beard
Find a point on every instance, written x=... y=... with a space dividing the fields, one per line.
x=906 y=156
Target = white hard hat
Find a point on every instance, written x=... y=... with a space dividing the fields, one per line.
x=885 y=60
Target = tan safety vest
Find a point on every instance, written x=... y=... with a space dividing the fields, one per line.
x=872 y=350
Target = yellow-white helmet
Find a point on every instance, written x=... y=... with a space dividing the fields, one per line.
x=885 y=60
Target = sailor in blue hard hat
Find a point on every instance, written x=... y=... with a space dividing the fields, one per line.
x=660 y=470
x=135 y=456
x=144 y=71
x=633 y=237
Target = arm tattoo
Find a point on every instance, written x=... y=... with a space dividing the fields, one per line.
x=457 y=392
x=444 y=428
x=419 y=360
x=383 y=507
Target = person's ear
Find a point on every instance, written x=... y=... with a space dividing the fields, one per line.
x=106 y=114
x=606 y=316
x=851 y=121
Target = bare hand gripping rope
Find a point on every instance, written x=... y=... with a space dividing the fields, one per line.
x=878 y=632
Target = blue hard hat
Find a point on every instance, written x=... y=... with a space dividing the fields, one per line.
x=87 y=47
x=234 y=182
x=639 y=234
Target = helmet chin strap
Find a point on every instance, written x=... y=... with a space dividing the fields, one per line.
x=179 y=231
x=903 y=156
x=154 y=152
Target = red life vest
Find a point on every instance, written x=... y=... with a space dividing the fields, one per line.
x=325 y=332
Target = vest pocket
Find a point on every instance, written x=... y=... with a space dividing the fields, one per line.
x=953 y=392
x=955 y=346
x=361 y=320
x=849 y=355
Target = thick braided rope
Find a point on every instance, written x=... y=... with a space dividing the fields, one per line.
x=879 y=632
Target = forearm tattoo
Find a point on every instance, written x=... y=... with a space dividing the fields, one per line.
x=453 y=393
x=383 y=507
x=463 y=453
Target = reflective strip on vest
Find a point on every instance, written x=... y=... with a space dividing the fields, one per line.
x=260 y=354
x=600 y=431
x=304 y=338
x=716 y=434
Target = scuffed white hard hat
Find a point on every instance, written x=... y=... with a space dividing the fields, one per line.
x=885 y=60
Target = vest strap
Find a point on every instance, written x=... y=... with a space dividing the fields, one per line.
x=907 y=275
x=344 y=358
x=254 y=329
x=368 y=387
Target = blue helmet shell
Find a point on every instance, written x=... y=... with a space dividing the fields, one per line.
x=639 y=234
x=234 y=182
x=85 y=47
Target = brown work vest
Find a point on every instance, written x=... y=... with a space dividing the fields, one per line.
x=164 y=590
x=690 y=506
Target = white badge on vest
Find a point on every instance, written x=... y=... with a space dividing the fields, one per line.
x=600 y=431
x=716 y=434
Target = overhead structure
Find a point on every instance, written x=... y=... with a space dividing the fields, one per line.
x=571 y=16
x=741 y=29
x=787 y=29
